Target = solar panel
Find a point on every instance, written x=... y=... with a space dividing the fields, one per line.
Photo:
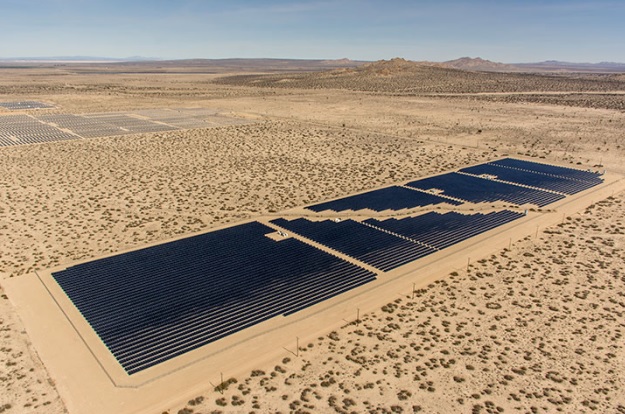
x=479 y=190
x=558 y=171
x=17 y=105
x=444 y=230
x=378 y=249
x=132 y=125
x=85 y=127
x=25 y=129
x=154 y=304
x=389 y=198
x=530 y=178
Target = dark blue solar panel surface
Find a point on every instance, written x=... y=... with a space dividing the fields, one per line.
x=477 y=190
x=530 y=178
x=443 y=230
x=554 y=170
x=390 y=198
x=153 y=304
x=376 y=248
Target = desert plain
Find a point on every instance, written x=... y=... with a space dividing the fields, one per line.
x=531 y=326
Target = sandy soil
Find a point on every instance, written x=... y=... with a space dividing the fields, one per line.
x=70 y=201
x=24 y=383
x=114 y=193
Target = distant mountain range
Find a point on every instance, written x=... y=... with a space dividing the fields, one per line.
x=479 y=64
x=77 y=59
x=554 y=65
x=136 y=63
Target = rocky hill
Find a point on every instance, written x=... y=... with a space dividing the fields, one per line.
x=479 y=64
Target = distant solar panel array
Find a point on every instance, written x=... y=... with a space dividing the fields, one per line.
x=180 y=118
x=153 y=304
x=21 y=105
x=33 y=129
x=23 y=129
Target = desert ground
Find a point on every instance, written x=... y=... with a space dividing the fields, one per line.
x=534 y=328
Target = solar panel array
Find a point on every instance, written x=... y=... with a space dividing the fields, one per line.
x=378 y=249
x=54 y=127
x=132 y=125
x=515 y=181
x=389 y=198
x=187 y=117
x=480 y=190
x=530 y=178
x=554 y=170
x=154 y=304
x=82 y=126
x=17 y=105
x=444 y=230
x=24 y=129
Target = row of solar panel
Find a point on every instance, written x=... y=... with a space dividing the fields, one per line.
x=393 y=198
x=478 y=190
x=551 y=182
x=380 y=250
x=400 y=241
x=35 y=139
x=444 y=230
x=510 y=180
x=105 y=126
x=156 y=303
x=24 y=105
x=556 y=171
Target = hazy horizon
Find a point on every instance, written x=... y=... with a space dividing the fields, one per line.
x=111 y=59
x=509 y=32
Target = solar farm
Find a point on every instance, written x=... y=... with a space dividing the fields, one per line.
x=153 y=305
x=36 y=129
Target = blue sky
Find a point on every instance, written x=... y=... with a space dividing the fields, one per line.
x=504 y=31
